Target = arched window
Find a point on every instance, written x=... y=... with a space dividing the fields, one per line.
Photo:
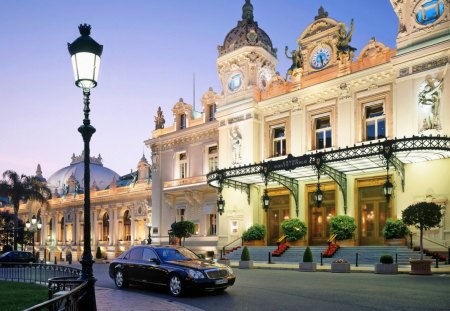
x=105 y=228
x=61 y=230
x=127 y=226
x=50 y=229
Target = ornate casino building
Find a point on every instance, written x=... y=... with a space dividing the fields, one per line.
x=367 y=130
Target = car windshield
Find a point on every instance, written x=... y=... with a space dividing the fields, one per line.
x=169 y=254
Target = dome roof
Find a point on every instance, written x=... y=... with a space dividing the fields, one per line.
x=246 y=33
x=61 y=181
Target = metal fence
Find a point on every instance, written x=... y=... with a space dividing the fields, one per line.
x=66 y=291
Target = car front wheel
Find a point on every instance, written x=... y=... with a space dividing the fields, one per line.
x=175 y=285
x=119 y=279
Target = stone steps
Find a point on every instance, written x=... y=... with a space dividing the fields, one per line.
x=367 y=255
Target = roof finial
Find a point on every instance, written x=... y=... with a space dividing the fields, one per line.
x=247 y=11
x=38 y=171
x=322 y=13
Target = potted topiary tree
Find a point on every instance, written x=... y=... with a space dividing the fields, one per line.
x=182 y=230
x=343 y=227
x=394 y=232
x=423 y=216
x=386 y=265
x=98 y=255
x=308 y=264
x=294 y=229
x=254 y=235
x=245 y=262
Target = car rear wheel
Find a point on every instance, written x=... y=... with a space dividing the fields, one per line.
x=175 y=285
x=119 y=279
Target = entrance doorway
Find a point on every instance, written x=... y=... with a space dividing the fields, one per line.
x=278 y=212
x=319 y=217
x=373 y=212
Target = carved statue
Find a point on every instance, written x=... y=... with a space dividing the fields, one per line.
x=297 y=60
x=430 y=96
x=236 y=145
x=344 y=38
x=159 y=119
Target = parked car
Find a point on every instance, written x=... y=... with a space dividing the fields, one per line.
x=176 y=267
x=17 y=256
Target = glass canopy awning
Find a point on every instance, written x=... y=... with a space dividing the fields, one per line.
x=336 y=164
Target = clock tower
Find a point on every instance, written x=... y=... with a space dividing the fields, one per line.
x=246 y=58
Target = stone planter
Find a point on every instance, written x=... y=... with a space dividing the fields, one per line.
x=421 y=267
x=247 y=264
x=224 y=261
x=395 y=242
x=254 y=243
x=386 y=268
x=307 y=266
x=340 y=267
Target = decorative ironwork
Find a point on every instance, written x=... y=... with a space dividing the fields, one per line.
x=396 y=152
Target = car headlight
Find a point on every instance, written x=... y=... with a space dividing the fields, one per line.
x=230 y=271
x=196 y=274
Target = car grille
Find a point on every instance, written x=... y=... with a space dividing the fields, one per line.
x=216 y=273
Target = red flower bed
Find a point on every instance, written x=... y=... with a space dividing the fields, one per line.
x=280 y=250
x=329 y=252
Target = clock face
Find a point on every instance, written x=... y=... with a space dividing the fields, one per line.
x=320 y=57
x=235 y=81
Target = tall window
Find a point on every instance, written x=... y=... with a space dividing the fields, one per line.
x=61 y=230
x=212 y=112
x=182 y=164
x=182 y=121
x=278 y=137
x=181 y=214
x=213 y=158
x=323 y=132
x=105 y=227
x=375 y=120
x=127 y=226
x=212 y=224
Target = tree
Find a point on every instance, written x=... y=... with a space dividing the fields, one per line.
x=423 y=216
x=22 y=188
x=343 y=226
x=182 y=229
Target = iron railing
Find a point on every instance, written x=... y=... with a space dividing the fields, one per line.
x=66 y=291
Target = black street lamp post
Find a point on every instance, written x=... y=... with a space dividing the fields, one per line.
x=32 y=227
x=85 y=53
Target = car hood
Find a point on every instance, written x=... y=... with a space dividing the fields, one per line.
x=196 y=264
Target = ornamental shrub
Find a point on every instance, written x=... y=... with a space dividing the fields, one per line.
x=245 y=256
x=182 y=229
x=294 y=229
x=395 y=229
x=386 y=259
x=98 y=254
x=307 y=255
x=423 y=216
x=343 y=226
x=255 y=232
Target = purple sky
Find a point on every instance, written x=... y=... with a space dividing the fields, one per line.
x=151 y=50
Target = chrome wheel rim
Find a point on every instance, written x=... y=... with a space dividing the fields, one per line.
x=119 y=279
x=175 y=285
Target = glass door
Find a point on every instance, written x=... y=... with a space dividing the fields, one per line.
x=319 y=217
x=373 y=211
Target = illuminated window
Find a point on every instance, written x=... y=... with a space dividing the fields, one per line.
x=375 y=120
x=323 y=133
x=278 y=138
x=127 y=226
x=213 y=158
x=182 y=165
x=181 y=214
x=211 y=222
